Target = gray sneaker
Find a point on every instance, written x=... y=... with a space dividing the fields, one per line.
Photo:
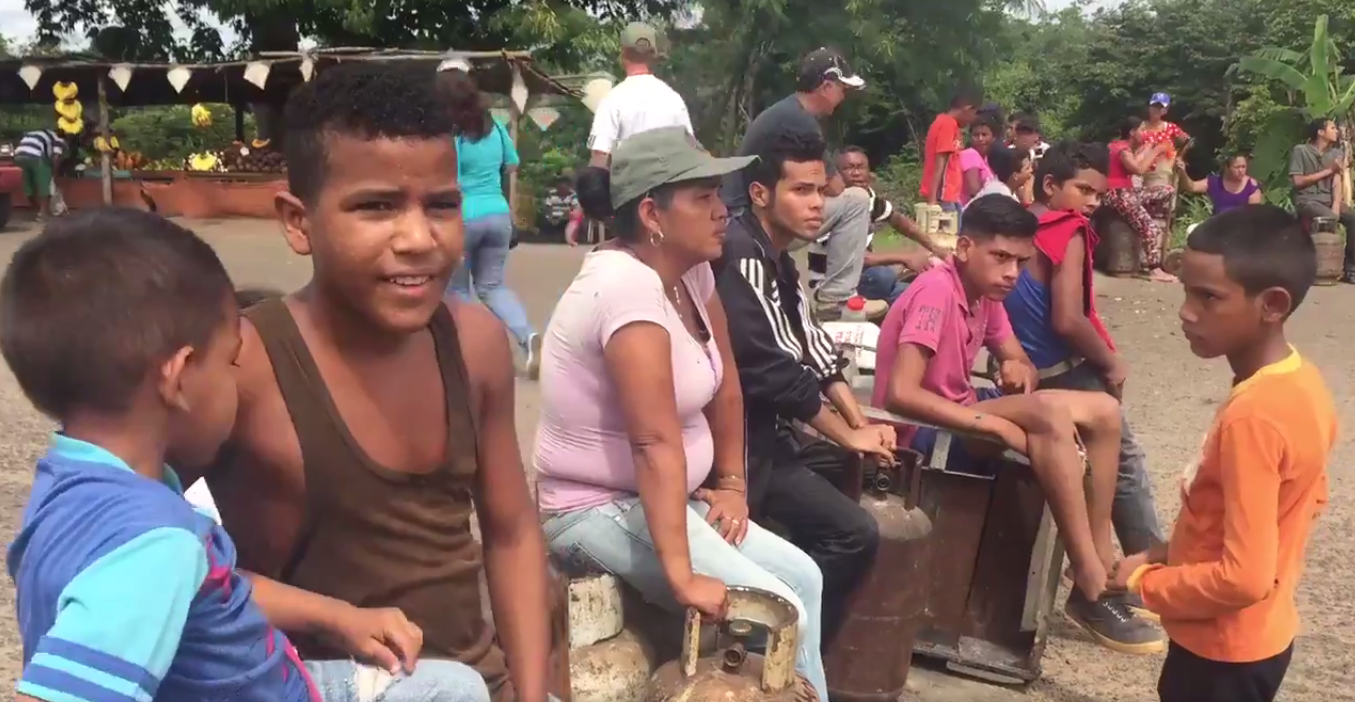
x=1136 y=606
x=1112 y=625
x=533 y=362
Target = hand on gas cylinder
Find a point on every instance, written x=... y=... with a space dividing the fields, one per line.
x=379 y=636
x=875 y=440
x=707 y=595
x=728 y=513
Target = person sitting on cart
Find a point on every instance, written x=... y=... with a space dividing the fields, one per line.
x=38 y=156
x=879 y=272
x=1315 y=167
x=928 y=344
x=787 y=365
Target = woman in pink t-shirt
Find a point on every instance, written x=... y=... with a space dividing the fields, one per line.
x=974 y=160
x=640 y=447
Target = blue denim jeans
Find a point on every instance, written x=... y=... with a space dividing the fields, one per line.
x=431 y=681
x=880 y=283
x=615 y=538
x=482 y=266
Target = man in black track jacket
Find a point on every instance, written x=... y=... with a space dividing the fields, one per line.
x=787 y=366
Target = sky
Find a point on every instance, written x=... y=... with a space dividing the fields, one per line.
x=16 y=24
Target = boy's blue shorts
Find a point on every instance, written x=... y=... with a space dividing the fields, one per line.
x=960 y=459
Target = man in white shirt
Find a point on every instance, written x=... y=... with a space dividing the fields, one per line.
x=638 y=103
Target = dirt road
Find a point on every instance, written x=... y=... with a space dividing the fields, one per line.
x=1171 y=396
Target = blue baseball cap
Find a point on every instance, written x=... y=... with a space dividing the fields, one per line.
x=1162 y=99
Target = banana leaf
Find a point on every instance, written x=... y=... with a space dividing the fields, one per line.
x=1270 y=159
x=1273 y=69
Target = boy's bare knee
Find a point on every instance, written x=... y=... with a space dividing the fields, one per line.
x=1053 y=417
x=1103 y=411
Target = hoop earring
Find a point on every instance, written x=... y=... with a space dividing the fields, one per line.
x=656 y=239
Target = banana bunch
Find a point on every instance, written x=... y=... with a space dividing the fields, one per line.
x=129 y=161
x=105 y=146
x=202 y=117
x=68 y=109
x=205 y=161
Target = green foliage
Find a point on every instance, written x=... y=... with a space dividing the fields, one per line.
x=1314 y=84
x=168 y=132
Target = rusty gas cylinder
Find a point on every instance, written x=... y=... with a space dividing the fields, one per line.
x=872 y=654
x=734 y=674
x=1330 y=250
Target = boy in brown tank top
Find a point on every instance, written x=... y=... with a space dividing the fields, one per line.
x=374 y=416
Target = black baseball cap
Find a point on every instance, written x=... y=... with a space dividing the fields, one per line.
x=824 y=64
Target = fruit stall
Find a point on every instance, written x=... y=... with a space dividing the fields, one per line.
x=237 y=179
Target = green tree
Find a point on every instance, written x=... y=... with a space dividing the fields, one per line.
x=1314 y=85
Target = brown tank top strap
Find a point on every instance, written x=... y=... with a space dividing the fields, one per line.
x=307 y=399
x=456 y=381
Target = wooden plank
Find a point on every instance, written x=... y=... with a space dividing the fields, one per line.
x=1042 y=568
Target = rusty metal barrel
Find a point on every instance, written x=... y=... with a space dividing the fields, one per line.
x=1330 y=250
x=1118 y=251
x=871 y=656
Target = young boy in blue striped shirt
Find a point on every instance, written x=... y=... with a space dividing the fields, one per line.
x=123 y=327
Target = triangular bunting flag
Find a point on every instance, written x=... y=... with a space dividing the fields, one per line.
x=256 y=72
x=178 y=77
x=30 y=75
x=121 y=75
x=518 y=92
x=543 y=116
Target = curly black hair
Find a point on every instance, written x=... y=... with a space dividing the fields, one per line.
x=100 y=299
x=1063 y=160
x=368 y=100
x=793 y=146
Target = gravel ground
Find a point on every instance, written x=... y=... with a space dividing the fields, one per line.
x=1171 y=397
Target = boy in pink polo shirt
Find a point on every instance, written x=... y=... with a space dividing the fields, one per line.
x=928 y=344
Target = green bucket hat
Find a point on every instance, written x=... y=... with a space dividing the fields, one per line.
x=658 y=157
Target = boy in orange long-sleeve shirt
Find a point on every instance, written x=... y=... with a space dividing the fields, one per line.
x=1224 y=585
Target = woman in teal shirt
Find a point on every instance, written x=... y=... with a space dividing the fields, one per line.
x=484 y=153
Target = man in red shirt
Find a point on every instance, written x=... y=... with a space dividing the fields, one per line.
x=941 y=176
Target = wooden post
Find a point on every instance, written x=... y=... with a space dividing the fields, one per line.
x=514 y=116
x=105 y=161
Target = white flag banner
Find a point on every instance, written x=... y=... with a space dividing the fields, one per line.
x=121 y=75
x=256 y=72
x=178 y=77
x=594 y=91
x=30 y=75
x=544 y=116
x=518 y=92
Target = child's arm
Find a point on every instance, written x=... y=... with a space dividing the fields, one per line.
x=510 y=526
x=376 y=635
x=1251 y=450
x=1068 y=300
x=120 y=621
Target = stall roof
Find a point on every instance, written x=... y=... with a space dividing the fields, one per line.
x=226 y=82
